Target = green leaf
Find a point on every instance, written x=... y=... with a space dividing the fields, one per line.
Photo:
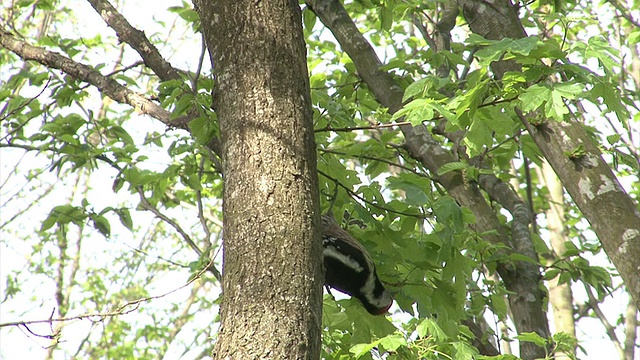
x=568 y=90
x=4 y=94
x=416 y=88
x=598 y=47
x=428 y=327
x=495 y=119
x=549 y=48
x=464 y=351
x=478 y=137
x=48 y=222
x=184 y=104
x=496 y=50
x=472 y=98
x=552 y=96
x=117 y=184
x=46 y=5
x=564 y=342
x=448 y=212
x=452 y=166
x=533 y=338
x=121 y=134
x=362 y=349
x=613 y=139
x=477 y=40
x=413 y=186
x=309 y=19
x=126 y=79
x=64 y=214
x=386 y=15
x=125 y=218
x=550 y=274
x=416 y=112
x=393 y=342
x=524 y=46
x=64 y=125
x=454 y=59
x=101 y=224
x=634 y=37
x=524 y=258
x=612 y=98
x=493 y=52
x=499 y=306
x=25 y=3
x=420 y=110
x=185 y=12
x=533 y=97
x=203 y=129
x=192 y=181
x=564 y=278
x=499 y=357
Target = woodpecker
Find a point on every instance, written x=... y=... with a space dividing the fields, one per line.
x=349 y=268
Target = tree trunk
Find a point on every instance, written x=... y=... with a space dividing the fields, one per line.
x=272 y=287
x=560 y=295
x=630 y=331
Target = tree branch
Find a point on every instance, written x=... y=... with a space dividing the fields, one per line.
x=136 y=39
x=611 y=331
x=145 y=204
x=625 y=13
x=87 y=74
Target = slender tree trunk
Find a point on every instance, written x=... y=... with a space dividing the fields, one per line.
x=630 y=330
x=560 y=295
x=272 y=287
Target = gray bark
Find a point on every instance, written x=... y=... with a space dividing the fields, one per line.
x=272 y=287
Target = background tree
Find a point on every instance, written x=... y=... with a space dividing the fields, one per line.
x=433 y=123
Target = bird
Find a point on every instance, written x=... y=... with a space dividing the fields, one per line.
x=350 y=269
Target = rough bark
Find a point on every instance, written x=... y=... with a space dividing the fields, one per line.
x=586 y=177
x=272 y=288
x=523 y=279
x=560 y=295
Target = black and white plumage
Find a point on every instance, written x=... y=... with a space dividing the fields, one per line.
x=350 y=269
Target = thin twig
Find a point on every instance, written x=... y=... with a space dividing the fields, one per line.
x=122 y=310
x=611 y=331
x=359 y=197
x=18 y=108
x=389 y=162
x=624 y=13
x=146 y=204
